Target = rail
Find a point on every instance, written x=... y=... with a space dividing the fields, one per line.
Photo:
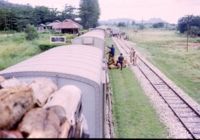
x=186 y=114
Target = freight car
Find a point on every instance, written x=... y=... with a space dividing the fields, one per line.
x=95 y=38
x=78 y=65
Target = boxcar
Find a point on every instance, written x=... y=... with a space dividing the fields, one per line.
x=94 y=38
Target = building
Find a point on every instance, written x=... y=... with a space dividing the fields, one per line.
x=67 y=26
x=51 y=26
x=42 y=28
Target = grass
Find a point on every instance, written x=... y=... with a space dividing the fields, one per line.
x=167 y=50
x=15 y=48
x=134 y=116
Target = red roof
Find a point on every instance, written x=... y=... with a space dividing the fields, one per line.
x=67 y=24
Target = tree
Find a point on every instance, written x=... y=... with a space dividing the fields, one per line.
x=41 y=15
x=31 y=32
x=53 y=14
x=133 y=22
x=121 y=24
x=23 y=17
x=195 y=31
x=158 y=25
x=17 y=17
x=189 y=24
x=89 y=13
x=14 y=16
x=141 y=26
x=68 y=13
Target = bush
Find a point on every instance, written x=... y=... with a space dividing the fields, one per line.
x=141 y=26
x=197 y=40
x=121 y=24
x=31 y=32
x=44 y=47
x=70 y=36
x=195 y=31
x=158 y=25
x=189 y=22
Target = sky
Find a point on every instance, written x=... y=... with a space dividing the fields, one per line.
x=168 y=10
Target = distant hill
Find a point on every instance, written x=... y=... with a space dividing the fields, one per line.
x=116 y=21
x=154 y=20
x=126 y=20
x=5 y=4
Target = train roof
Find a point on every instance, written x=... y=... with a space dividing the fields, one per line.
x=76 y=60
x=103 y=27
x=100 y=34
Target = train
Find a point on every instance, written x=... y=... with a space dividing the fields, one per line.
x=95 y=38
x=81 y=64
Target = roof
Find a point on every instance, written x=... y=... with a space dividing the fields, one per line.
x=53 y=23
x=76 y=60
x=42 y=25
x=103 y=27
x=67 y=24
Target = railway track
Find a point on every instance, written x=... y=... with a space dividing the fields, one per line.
x=186 y=114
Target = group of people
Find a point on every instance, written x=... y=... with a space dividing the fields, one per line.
x=122 y=36
x=121 y=62
x=111 y=60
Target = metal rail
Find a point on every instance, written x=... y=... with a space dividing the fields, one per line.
x=186 y=114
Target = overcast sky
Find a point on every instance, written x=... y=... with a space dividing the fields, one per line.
x=168 y=10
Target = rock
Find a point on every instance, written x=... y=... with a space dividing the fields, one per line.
x=68 y=97
x=10 y=134
x=42 y=88
x=2 y=79
x=14 y=103
x=40 y=123
x=12 y=83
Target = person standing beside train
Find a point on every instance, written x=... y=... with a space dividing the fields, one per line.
x=120 y=60
x=133 y=56
x=112 y=51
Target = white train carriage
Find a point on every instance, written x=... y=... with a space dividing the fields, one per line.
x=94 y=38
x=102 y=27
x=77 y=65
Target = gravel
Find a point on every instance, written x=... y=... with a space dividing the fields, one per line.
x=166 y=116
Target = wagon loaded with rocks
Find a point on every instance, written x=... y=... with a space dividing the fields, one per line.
x=56 y=94
x=39 y=109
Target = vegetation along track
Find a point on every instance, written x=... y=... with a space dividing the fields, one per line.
x=185 y=113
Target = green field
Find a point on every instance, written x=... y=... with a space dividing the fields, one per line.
x=167 y=50
x=15 y=48
x=134 y=116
